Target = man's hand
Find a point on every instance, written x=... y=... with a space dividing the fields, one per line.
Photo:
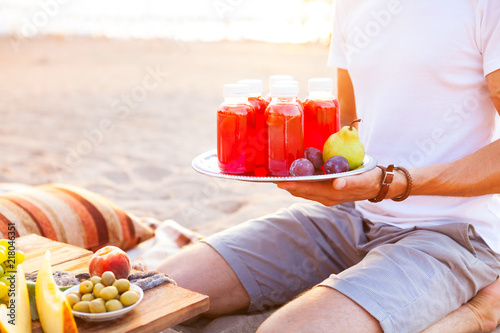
x=346 y=189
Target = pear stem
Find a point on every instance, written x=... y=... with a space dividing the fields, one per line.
x=355 y=121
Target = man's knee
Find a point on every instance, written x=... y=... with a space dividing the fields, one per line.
x=200 y=268
x=321 y=309
x=200 y=254
x=195 y=264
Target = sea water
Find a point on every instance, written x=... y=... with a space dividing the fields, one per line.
x=186 y=20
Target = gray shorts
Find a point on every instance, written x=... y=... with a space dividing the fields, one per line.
x=406 y=278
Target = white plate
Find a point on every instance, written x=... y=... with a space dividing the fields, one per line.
x=106 y=315
x=208 y=164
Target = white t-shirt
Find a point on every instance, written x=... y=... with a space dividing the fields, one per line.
x=418 y=69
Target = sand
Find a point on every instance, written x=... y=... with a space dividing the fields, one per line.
x=126 y=118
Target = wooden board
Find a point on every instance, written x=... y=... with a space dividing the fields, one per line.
x=162 y=307
x=63 y=257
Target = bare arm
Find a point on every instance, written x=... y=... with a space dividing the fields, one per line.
x=346 y=97
x=473 y=175
x=494 y=86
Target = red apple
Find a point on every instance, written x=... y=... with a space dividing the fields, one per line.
x=110 y=258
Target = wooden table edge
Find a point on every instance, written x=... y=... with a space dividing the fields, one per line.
x=160 y=324
x=200 y=304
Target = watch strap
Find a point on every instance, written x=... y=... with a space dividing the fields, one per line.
x=387 y=178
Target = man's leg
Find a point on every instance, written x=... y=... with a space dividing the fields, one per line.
x=480 y=314
x=312 y=312
x=406 y=286
x=264 y=263
x=200 y=268
x=321 y=309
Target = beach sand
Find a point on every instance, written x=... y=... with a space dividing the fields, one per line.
x=126 y=118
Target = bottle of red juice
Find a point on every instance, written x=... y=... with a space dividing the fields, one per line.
x=321 y=113
x=284 y=123
x=236 y=131
x=274 y=79
x=260 y=106
x=293 y=83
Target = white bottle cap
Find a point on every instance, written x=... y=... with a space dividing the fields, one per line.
x=284 y=90
x=235 y=90
x=291 y=82
x=275 y=78
x=320 y=84
x=255 y=86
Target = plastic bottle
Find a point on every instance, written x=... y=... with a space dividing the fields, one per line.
x=260 y=106
x=273 y=79
x=293 y=83
x=321 y=113
x=236 y=152
x=284 y=123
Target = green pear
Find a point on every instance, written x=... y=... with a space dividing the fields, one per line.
x=345 y=143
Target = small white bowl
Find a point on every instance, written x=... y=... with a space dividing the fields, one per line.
x=106 y=315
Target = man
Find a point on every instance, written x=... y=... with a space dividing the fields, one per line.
x=424 y=77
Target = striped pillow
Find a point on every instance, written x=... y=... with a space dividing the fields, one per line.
x=70 y=215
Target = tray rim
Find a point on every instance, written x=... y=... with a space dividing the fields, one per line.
x=369 y=163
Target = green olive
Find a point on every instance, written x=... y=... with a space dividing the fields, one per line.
x=95 y=280
x=122 y=285
x=86 y=287
x=82 y=306
x=97 y=289
x=113 y=305
x=88 y=297
x=72 y=299
x=77 y=293
x=129 y=297
x=97 y=306
x=108 y=293
x=108 y=278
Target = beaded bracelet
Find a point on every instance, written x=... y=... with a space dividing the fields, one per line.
x=409 y=184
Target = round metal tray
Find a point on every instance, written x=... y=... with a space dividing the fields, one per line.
x=207 y=164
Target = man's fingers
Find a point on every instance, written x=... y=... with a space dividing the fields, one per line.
x=353 y=182
x=315 y=191
x=339 y=184
x=305 y=189
x=312 y=188
x=322 y=200
x=287 y=186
